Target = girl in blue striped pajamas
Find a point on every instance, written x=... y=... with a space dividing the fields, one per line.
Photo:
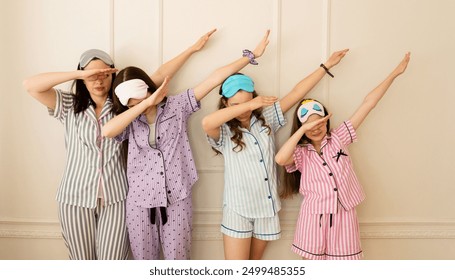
x=92 y=193
x=243 y=131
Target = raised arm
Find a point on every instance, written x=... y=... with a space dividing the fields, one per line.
x=118 y=124
x=171 y=67
x=377 y=93
x=285 y=154
x=41 y=86
x=308 y=83
x=219 y=75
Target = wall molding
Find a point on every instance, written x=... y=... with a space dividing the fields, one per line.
x=206 y=227
x=210 y=169
x=407 y=230
x=326 y=47
x=25 y=229
x=112 y=28
x=276 y=22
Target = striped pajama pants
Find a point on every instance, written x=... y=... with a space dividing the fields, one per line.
x=95 y=234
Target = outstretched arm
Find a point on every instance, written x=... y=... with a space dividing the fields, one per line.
x=41 y=86
x=117 y=124
x=212 y=122
x=219 y=75
x=171 y=67
x=308 y=83
x=285 y=154
x=376 y=94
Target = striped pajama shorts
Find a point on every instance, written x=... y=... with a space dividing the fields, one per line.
x=238 y=226
x=328 y=236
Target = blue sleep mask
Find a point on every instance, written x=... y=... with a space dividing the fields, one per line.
x=235 y=83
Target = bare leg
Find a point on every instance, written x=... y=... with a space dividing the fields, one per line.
x=236 y=248
x=257 y=248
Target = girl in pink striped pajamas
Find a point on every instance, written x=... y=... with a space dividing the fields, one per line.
x=317 y=157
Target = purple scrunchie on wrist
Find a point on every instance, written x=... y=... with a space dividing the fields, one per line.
x=250 y=55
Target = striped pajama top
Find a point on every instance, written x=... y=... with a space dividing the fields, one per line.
x=329 y=177
x=92 y=160
x=250 y=176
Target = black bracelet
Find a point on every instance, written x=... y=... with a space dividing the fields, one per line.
x=326 y=70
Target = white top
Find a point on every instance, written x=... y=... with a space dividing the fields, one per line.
x=152 y=135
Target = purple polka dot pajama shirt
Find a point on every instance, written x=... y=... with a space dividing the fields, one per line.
x=160 y=179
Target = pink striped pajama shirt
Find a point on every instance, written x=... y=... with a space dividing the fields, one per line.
x=327 y=227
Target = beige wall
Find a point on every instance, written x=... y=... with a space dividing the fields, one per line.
x=405 y=151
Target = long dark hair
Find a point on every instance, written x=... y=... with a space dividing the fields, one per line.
x=291 y=181
x=235 y=124
x=82 y=98
x=130 y=73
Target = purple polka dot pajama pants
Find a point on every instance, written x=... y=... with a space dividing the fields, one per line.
x=174 y=237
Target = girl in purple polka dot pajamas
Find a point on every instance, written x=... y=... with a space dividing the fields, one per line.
x=160 y=169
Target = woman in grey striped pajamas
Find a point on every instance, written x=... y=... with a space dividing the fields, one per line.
x=243 y=131
x=92 y=193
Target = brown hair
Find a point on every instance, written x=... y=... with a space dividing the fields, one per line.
x=291 y=181
x=234 y=124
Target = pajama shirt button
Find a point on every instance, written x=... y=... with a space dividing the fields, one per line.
x=335 y=189
x=330 y=174
x=168 y=191
x=161 y=173
x=324 y=164
x=266 y=179
x=269 y=196
x=260 y=160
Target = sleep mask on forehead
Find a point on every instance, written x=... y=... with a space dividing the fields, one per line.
x=92 y=54
x=235 y=83
x=309 y=107
x=135 y=88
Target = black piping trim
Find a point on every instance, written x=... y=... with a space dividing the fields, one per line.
x=325 y=254
x=350 y=135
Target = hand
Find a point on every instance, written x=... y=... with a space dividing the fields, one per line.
x=316 y=124
x=201 y=42
x=159 y=94
x=259 y=50
x=335 y=58
x=402 y=66
x=93 y=74
x=262 y=101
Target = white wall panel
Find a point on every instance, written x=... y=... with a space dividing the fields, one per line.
x=403 y=156
x=41 y=36
x=137 y=34
x=237 y=29
x=303 y=44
